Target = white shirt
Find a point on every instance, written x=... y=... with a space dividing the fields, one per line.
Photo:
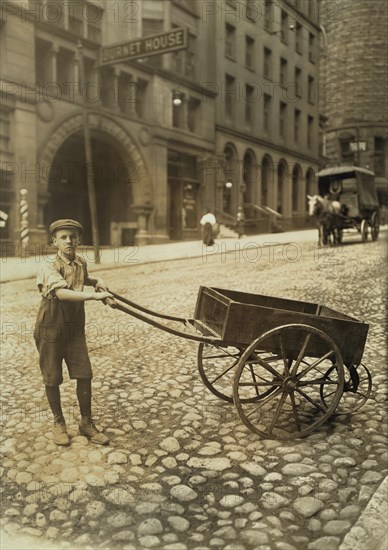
x=208 y=218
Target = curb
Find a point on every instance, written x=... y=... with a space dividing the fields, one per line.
x=371 y=529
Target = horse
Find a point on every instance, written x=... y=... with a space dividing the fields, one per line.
x=327 y=215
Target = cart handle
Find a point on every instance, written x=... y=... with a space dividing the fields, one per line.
x=132 y=311
x=149 y=311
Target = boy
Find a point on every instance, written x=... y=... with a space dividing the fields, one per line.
x=60 y=328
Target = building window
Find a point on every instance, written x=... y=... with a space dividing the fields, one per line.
x=42 y=62
x=150 y=27
x=76 y=19
x=178 y=114
x=249 y=52
x=230 y=41
x=347 y=154
x=141 y=97
x=184 y=60
x=310 y=131
x=284 y=26
x=283 y=72
x=267 y=112
x=297 y=125
x=267 y=63
x=7 y=199
x=65 y=72
x=249 y=100
x=298 y=82
x=312 y=52
x=230 y=96
x=311 y=89
x=54 y=13
x=312 y=8
x=94 y=22
x=298 y=37
x=4 y=130
x=282 y=119
x=268 y=15
x=192 y=114
x=380 y=156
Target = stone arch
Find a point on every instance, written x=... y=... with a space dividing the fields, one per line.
x=142 y=187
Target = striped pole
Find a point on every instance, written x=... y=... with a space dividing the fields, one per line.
x=24 y=230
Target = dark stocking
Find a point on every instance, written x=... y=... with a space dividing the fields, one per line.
x=84 y=396
x=54 y=399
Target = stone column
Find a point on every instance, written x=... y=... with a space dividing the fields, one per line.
x=115 y=86
x=133 y=97
x=142 y=212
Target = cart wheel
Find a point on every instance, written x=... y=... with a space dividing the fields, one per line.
x=292 y=406
x=375 y=226
x=364 y=230
x=357 y=389
x=217 y=366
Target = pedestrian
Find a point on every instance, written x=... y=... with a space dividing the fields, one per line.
x=208 y=222
x=60 y=328
x=240 y=219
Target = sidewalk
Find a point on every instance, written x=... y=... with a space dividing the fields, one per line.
x=16 y=268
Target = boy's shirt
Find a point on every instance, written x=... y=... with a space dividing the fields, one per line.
x=62 y=273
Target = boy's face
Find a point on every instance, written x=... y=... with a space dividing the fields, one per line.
x=67 y=241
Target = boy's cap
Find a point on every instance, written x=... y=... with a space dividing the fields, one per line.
x=65 y=224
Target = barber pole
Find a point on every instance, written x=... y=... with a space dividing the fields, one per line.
x=24 y=230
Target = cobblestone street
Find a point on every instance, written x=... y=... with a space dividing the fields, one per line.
x=182 y=472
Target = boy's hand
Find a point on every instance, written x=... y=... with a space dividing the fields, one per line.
x=102 y=295
x=100 y=285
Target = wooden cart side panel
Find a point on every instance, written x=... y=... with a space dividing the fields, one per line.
x=245 y=324
x=212 y=310
x=265 y=301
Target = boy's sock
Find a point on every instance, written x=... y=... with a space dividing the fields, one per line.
x=54 y=398
x=84 y=396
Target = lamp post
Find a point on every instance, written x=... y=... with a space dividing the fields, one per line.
x=89 y=162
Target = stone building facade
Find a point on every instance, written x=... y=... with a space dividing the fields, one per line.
x=238 y=105
x=354 y=85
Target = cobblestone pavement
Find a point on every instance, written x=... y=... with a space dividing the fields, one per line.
x=182 y=471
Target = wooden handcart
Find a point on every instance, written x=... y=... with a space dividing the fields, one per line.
x=287 y=365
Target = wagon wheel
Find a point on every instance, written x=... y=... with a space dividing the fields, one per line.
x=364 y=230
x=375 y=226
x=217 y=366
x=293 y=407
x=357 y=389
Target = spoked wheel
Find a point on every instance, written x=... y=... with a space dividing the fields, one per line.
x=292 y=406
x=217 y=367
x=364 y=230
x=375 y=226
x=357 y=389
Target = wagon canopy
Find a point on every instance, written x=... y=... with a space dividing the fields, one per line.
x=350 y=179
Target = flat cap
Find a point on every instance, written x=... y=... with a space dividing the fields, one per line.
x=65 y=224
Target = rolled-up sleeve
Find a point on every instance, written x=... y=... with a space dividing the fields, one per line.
x=49 y=280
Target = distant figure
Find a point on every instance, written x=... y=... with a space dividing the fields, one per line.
x=208 y=222
x=240 y=218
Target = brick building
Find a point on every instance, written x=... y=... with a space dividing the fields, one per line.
x=354 y=85
x=238 y=106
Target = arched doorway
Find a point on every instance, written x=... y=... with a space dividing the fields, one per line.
x=311 y=188
x=231 y=177
x=282 y=183
x=266 y=179
x=67 y=188
x=296 y=181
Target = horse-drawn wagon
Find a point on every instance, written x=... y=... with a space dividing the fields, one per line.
x=287 y=365
x=354 y=189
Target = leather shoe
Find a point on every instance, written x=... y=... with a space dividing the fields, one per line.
x=60 y=436
x=90 y=431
